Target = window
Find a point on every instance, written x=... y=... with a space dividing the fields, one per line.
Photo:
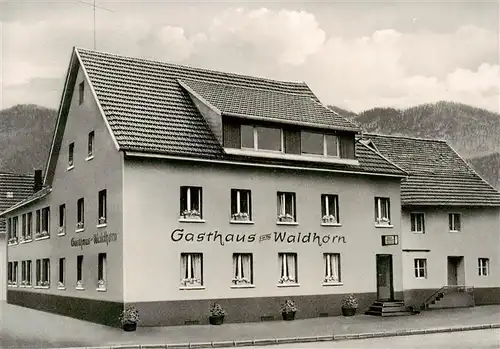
x=62 y=273
x=483 y=266
x=81 y=92
x=417 y=223
x=79 y=272
x=330 y=209
x=191 y=269
x=382 y=211
x=12 y=274
x=26 y=273
x=191 y=203
x=23 y=226
x=102 y=209
x=61 y=230
x=421 y=268
x=46 y=221
x=12 y=230
x=288 y=266
x=242 y=269
x=38 y=222
x=286 y=207
x=313 y=143
x=241 y=205
x=80 y=214
x=261 y=138
x=90 y=145
x=71 y=154
x=43 y=272
x=15 y=227
x=101 y=271
x=9 y=228
x=454 y=222
x=29 y=226
x=332 y=268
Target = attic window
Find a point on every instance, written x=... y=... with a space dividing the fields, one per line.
x=81 y=91
x=10 y=194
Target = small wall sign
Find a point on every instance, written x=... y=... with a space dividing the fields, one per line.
x=97 y=238
x=388 y=240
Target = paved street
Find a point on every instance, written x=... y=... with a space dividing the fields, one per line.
x=480 y=339
x=27 y=328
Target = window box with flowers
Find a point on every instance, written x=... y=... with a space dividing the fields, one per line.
x=240 y=217
x=11 y=283
x=28 y=238
x=217 y=314
x=287 y=280
x=191 y=282
x=101 y=285
x=286 y=218
x=44 y=234
x=383 y=222
x=79 y=285
x=101 y=221
x=192 y=215
x=60 y=286
x=61 y=231
x=13 y=240
x=288 y=310
x=25 y=283
x=80 y=226
x=42 y=284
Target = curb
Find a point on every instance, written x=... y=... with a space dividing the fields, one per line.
x=290 y=340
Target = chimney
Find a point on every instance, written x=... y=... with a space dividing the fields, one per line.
x=38 y=181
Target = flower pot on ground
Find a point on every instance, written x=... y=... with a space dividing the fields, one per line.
x=288 y=310
x=349 y=305
x=129 y=318
x=217 y=314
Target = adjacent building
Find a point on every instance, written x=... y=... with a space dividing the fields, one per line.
x=450 y=231
x=13 y=188
x=170 y=187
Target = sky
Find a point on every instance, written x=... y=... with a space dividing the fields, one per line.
x=355 y=55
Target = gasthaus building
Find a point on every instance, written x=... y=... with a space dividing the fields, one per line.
x=170 y=187
x=450 y=225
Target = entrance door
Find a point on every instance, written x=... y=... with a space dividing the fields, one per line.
x=455 y=271
x=385 y=290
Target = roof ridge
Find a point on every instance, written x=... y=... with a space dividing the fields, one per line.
x=406 y=137
x=250 y=87
x=207 y=70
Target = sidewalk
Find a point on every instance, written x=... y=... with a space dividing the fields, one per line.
x=26 y=328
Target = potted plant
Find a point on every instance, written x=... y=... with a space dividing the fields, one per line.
x=349 y=305
x=288 y=310
x=129 y=318
x=287 y=218
x=217 y=314
x=191 y=214
x=240 y=216
x=329 y=219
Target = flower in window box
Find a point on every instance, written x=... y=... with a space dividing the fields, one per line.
x=330 y=279
x=101 y=284
x=21 y=239
x=60 y=230
x=383 y=221
x=44 y=233
x=286 y=280
x=44 y=283
x=241 y=281
x=102 y=220
x=191 y=214
x=329 y=219
x=240 y=216
x=60 y=284
x=79 y=225
x=9 y=283
x=13 y=240
x=79 y=284
x=286 y=218
x=191 y=282
x=27 y=237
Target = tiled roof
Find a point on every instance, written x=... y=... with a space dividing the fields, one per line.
x=33 y=197
x=488 y=167
x=149 y=112
x=437 y=174
x=268 y=104
x=13 y=189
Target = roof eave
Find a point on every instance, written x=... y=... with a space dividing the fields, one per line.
x=22 y=204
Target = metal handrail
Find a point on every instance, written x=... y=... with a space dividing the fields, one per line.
x=446 y=289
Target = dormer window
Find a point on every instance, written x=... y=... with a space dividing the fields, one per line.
x=314 y=143
x=261 y=138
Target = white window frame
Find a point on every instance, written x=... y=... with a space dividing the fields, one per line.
x=41 y=281
x=80 y=221
x=188 y=213
x=102 y=208
x=256 y=139
x=451 y=216
x=238 y=280
x=61 y=284
x=241 y=216
x=90 y=145
x=26 y=273
x=325 y=150
x=284 y=217
x=331 y=261
x=80 y=259
x=285 y=278
x=483 y=266
x=330 y=218
x=420 y=267
x=188 y=279
x=379 y=220
x=414 y=220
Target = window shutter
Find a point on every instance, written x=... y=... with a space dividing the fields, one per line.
x=292 y=141
x=231 y=135
x=347 y=146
